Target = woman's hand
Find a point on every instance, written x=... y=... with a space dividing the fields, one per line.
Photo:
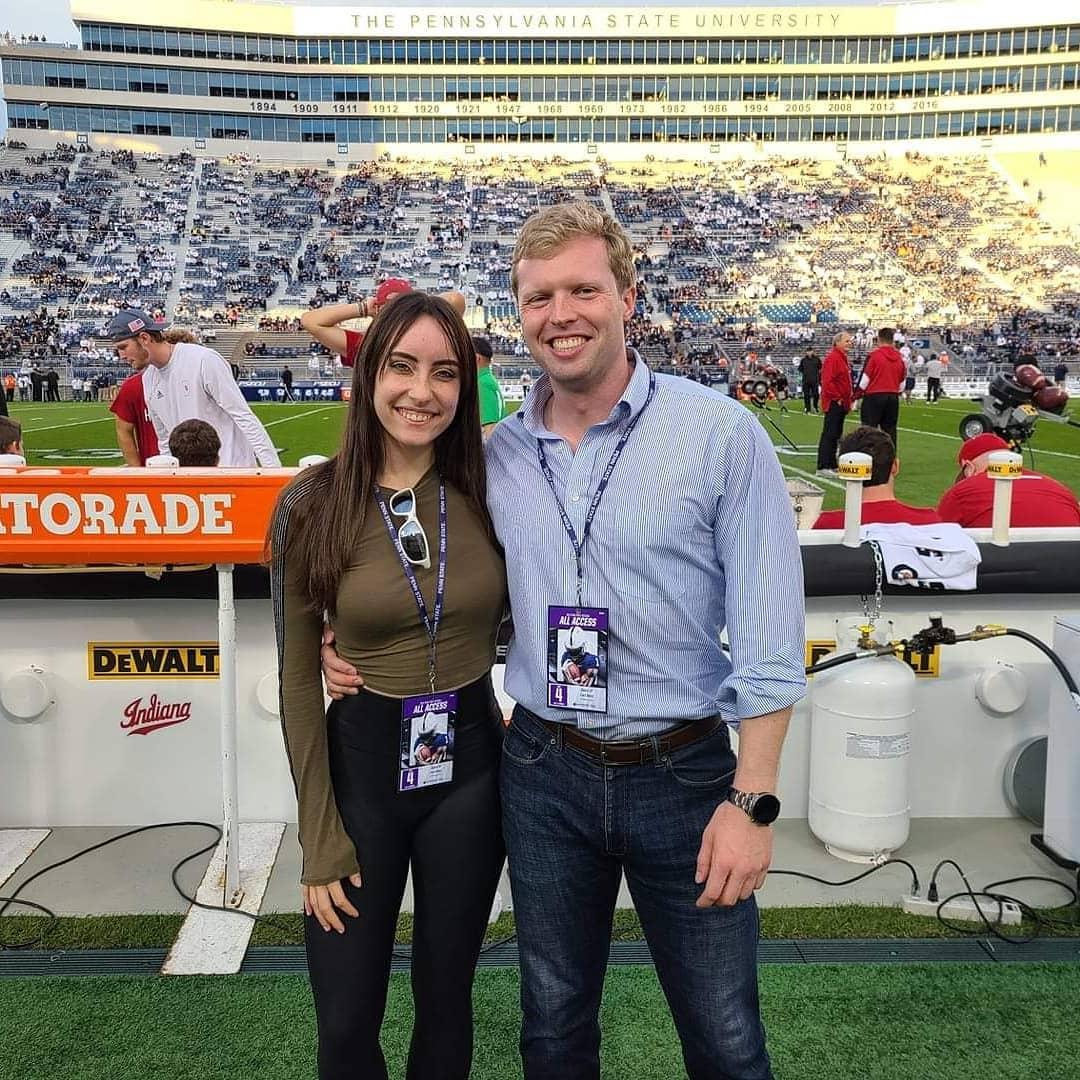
x=324 y=902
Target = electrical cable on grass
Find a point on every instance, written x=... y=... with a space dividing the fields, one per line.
x=288 y=932
x=990 y=892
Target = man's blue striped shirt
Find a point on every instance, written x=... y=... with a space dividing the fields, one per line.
x=694 y=536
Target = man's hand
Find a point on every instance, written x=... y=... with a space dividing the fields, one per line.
x=734 y=857
x=341 y=677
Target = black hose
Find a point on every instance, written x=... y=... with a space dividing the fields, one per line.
x=846 y=658
x=1052 y=656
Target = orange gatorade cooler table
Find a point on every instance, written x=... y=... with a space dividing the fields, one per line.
x=76 y=516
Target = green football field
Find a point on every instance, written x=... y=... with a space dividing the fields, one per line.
x=68 y=434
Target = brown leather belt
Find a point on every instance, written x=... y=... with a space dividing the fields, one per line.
x=631 y=751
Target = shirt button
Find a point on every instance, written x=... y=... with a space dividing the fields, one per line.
x=575 y=498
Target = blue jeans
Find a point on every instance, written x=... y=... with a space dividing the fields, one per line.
x=572 y=827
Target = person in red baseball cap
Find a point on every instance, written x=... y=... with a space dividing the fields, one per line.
x=1037 y=500
x=324 y=323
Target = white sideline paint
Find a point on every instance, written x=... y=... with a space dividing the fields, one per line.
x=298 y=416
x=16 y=846
x=214 y=942
x=813 y=476
x=853 y=421
x=78 y=423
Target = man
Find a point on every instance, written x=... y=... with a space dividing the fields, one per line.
x=934 y=369
x=135 y=432
x=491 y=399
x=1037 y=500
x=286 y=382
x=836 y=400
x=185 y=380
x=322 y=323
x=879 y=502
x=809 y=366
x=880 y=384
x=649 y=787
x=195 y=444
x=1061 y=373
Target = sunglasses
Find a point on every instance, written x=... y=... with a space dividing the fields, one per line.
x=411 y=537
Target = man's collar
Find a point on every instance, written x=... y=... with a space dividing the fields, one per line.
x=629 y=404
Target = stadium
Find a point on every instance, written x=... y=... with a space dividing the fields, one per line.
x=787 y=176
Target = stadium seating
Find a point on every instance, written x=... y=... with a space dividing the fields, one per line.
x=764 y=256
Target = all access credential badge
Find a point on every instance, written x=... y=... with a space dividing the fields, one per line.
x=577 y=658
x=427 y=741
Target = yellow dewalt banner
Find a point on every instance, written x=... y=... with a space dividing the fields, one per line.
x=152 y=660
x=926 y=667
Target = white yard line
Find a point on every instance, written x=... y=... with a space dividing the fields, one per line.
x=941 y=435
x=214 y=942
x=298 y=416
x=78 y=423
x=813 y=477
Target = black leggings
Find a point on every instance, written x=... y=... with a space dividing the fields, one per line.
x=452 y=836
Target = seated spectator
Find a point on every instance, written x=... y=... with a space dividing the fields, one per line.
x=879 y=503
x=10 y=436
x=1037 y=500
x=195 y=444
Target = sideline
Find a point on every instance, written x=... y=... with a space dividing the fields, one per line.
x=78 y=423
x=298 y=416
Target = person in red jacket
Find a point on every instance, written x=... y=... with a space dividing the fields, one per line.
x=322 y=323
x=836 y=398
x=880 y=383
x=1037 y=500
x=879 y=503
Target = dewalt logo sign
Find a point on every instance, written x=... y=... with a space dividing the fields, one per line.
x=152 y=660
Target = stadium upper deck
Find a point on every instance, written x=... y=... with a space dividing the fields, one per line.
x=207 y=70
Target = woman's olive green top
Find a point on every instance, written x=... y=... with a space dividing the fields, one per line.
x=378 y=630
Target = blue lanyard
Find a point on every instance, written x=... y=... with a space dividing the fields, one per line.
x=568 y=525
x=431 y=623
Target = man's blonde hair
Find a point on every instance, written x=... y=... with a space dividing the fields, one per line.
x=548 y=230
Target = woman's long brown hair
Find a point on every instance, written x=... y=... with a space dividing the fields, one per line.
x=325 y=521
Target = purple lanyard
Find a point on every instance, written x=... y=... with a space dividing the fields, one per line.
x=568 y=525
x=431 y=623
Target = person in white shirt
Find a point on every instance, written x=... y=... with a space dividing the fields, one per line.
x=191 y=382
x=934 y=369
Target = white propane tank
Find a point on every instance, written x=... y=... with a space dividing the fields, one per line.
x=860 y=742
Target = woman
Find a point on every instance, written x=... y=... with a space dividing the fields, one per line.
x=405 y=772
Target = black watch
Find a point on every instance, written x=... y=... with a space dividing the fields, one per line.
x=761 y=807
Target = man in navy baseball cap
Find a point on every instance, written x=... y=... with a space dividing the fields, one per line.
x=130 y=323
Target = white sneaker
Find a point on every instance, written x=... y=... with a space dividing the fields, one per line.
x=827 y=472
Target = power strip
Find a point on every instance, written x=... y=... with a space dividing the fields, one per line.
x=964 y=908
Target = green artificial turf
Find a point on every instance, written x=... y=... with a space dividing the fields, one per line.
x=828 y=923
x=928 y=438
x=940 y=1022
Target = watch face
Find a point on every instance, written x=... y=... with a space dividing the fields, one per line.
x=766 y=809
